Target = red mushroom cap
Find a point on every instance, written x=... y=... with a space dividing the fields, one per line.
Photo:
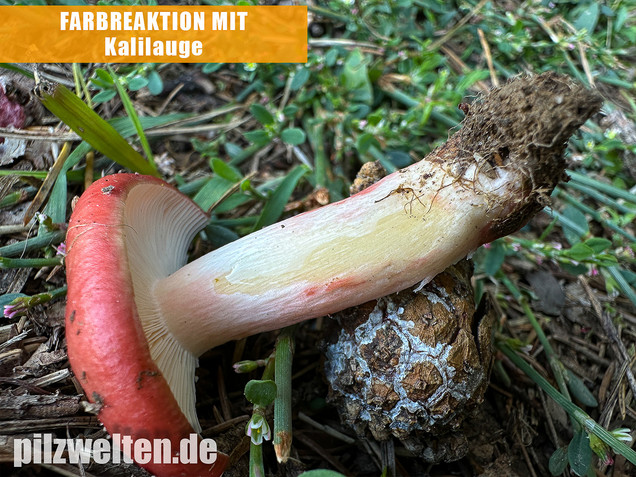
x=107 y=345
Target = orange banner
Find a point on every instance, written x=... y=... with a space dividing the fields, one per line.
x=159 y=34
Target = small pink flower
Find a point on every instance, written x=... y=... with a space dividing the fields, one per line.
x=557 y=245
x=61 y=249
x=245 y=366
x=487 y=245
x=10 y=311
x=17 y=308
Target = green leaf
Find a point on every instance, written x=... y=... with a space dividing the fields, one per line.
x=136 y=83
x=580 y=453
x=598 y=244
x=588 y=18
x=578 y=225
x=399 y=159
x=43 y=239
x=293 y=136
x=276 y=204
x=300 y=78
x=104 y=96
x=579 y=390
x=100 y=84
x=258 y=136
x=260 y=392
x=365 y=141
x=470 y=79
x=290 y=110
x=225 y=170
x=331 y=57
x=558 y=461
x=233 y=201
x=211 y=192
x=155 y=83
x=356 y=77
x=7 y=298
x=105 y=76
x=605 y=260
x=617 y=276
x=579 y=252
x=494 y=258
x=621 y=16
x=218 y=236
x=261 y=114
x=575 y=270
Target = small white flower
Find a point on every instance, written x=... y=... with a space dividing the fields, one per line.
x=258 y=430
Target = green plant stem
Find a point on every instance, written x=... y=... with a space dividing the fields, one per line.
x=28 y=245
x=257 y=469
x=29 y=262
x=72 y=175
x=80 y=85
x=601 y=197
x=316 y=139
x=282 y=403
x=325 y=12
x=563 y=220
x=575 y=412
x=17 y=196
x=22 y=304
x=555 y=364
x=601 y=186
x=411 y=102
x=618 y=277
x=594 y=214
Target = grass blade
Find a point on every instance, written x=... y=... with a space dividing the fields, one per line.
x=276 y=204
x=283 y=403
x=132 y=113
x=91 y=127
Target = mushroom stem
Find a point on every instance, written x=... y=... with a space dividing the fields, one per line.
x=485 y=182
x=403 y=230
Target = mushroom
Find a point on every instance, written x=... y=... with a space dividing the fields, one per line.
x=127 y=231
x=138 y=319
